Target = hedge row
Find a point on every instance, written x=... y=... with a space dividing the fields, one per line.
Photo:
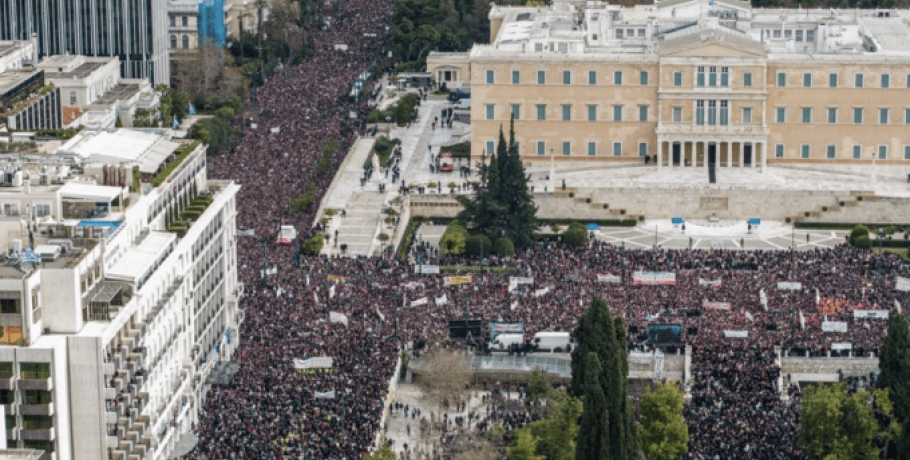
x=181 y=153
x=408 y=236
x=838 y=225
x=600 y=222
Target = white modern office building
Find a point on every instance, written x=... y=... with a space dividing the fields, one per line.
x=118 y=294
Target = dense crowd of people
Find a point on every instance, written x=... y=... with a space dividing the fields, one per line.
x=272 y=411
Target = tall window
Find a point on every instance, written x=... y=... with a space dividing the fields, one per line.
x=490 y=148
x=617 y=113
x=807 y=114
x=886 y=80
x=712 y=76
x=724 y=76
x=883 y=116
x=677 y=114
x=700 y=76
x=781 y=79
x=489 y=77
x=857 y=152
x=617 y=77
x=807 y=80
x=724 y=112
x=186 y=42
x=489 y=109
x=712 y=112
x=858 y=80
x=907 y=116
x=566 y=112
x=677 y=78
x=541 y=148
x=747 y=79
x=516 y=77
x=779 y=151
x=700 y=112
x=832 y=115
x=747 y=115
x=617 y=149
x=805 y=151
x=173 y=42
x=643 y=77
x=831 y=152
x=592 y=77
x=780 y=115
x=592 y=113
x=907 y=152
x=642 y=149
x=566 y=148
x=185 y=21
x=858 y=116
x=35 y=371
x=173 y=21
x=832 y=80
x=592 y=148
x=9 y=306
x=567 y=77
x=516 y=111
x=541 y=112
x=642 y=113
x=541 y=77
x=882 y=152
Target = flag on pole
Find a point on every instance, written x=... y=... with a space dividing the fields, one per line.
x=29 y=256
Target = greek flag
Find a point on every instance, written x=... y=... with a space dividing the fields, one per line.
x=192 y=109
x=29 y=255
x=176 y=123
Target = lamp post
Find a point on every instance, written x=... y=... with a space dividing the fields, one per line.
x=881 y=236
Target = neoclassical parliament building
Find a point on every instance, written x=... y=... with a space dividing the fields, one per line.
x=690 y=82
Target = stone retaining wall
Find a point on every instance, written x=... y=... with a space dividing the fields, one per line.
x=849 y=366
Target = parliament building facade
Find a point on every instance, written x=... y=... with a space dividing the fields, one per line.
x=690 y=83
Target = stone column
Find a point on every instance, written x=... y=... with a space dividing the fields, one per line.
x=755 y=152
x=764 y=156
x=670 y=155
x=742 y=154
x=660 y=153
x=704 y=154
x=729 y=154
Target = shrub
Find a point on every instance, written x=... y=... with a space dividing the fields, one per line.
x=504 y=247
x=605 y=206
x=431 y=185
x=587 y=200
x=383 y=237
x=641 y=218
x=454 y=239
x=453 y=185
x=312 y=245
x=462 y=150
x=330 y=212
x=890 y=230
x=824 y=209
x=374 y=115
x=390 y=212
x=806 y=213
x=479 y=245
x=225 y=113
x=302 y=203
x=841 y=203
x=788 y=220
x=389 y=220
x=571 y=194
x=862 y=242
x=622 y=211
x=324 y=221
x=383 y=148
x=576 y=235
x=858 y=232
x=859 y=198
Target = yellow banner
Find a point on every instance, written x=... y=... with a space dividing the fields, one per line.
x=458 y=280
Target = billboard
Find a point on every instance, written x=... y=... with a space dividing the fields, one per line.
x=664 y=333
x=505 y=328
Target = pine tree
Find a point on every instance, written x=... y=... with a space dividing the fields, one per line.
x=516 y=196
x=594 y=424
x=895 y=365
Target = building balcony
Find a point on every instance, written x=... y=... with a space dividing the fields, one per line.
x=108 y=369
x=48 y=456
x=37 y=409
x=716 y=129
x=118 y=455
x=110 y=418
x=110 y=393
x=38 y=434
x=125 y=446
x=36 y=383
x=7 y=383
x=112 y=442
x=12 y=433
x=9 y=409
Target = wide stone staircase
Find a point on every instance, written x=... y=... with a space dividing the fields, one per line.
x=358 y=228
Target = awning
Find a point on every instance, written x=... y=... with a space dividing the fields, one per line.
x=153 y=159
x=89 y=192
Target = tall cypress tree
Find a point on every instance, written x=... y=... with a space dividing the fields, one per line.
x=599 y=333
x=484 y=211
x=595 y=417
x=895 y=365
x=516 y=196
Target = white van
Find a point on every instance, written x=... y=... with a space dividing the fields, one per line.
x=504 y=341
x=554 y=342
x=463 y=104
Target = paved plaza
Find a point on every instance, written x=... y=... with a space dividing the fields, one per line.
x=420 y=142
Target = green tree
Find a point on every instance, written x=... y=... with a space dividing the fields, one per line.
x=665 y=435
x=894 y=361
x=576 y=235
x=557 y=433
x=835 y=425
x=539 y=387
x=524 y=446
x=479 y=246
x=454 y=239
x=383 y=453
x=516 y=197
x=593 y=433
x=504 y=247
